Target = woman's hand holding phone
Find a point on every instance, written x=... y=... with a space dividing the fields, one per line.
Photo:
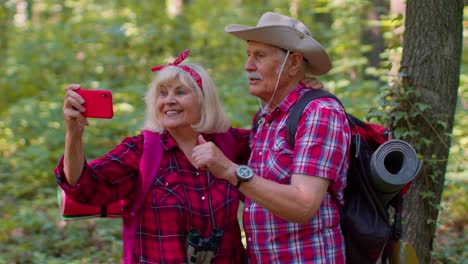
x=75 y=123
x=81 y=103
x=72 y=108
x=88 y=103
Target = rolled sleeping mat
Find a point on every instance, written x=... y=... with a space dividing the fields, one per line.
x=70 y=210
x=393 y=165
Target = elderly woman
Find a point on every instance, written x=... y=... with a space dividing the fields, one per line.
x=188 y=215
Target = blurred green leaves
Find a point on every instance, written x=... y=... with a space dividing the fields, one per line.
x=112 y=45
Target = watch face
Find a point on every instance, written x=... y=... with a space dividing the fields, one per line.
x=244 y=173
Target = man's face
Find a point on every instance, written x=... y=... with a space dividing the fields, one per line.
x=262 y=66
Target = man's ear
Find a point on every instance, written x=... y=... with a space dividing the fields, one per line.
x=295 y=63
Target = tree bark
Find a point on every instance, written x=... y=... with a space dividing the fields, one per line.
x=431 y=62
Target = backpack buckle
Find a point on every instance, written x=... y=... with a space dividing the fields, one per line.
x=358 y=144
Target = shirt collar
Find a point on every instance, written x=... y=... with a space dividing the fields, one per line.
x=292 y=97
x=168 y=141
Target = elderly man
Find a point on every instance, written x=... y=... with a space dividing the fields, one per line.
x=289 y=214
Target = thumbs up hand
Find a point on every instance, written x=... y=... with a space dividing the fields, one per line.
x=201 y=140
x=207 y=155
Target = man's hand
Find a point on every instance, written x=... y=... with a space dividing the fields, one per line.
x=312 y=83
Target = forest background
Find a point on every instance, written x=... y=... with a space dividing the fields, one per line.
x=47 y=44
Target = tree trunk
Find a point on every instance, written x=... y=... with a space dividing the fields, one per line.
x=175 y=8
x=372 y=34
x=180 y=26
x=397 y=7
x=6 y=18
x=432 y=49
x=294 y=7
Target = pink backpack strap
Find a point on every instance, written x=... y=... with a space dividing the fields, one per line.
x=149 y=166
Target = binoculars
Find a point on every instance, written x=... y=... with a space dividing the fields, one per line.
x=202 y=250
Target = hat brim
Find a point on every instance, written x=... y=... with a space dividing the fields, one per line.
x=287 y=38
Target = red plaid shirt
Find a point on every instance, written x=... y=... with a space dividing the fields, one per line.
x=165 y=218
x=321 y=150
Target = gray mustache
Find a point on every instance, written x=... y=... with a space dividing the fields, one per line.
x=254 y=75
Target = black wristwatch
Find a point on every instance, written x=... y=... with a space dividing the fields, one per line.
x=243 y=173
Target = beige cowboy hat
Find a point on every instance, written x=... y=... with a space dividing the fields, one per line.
x=286 y=33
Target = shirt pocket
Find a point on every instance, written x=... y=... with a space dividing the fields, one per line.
x=281 y=146
x=279 y=161
x=167 y=190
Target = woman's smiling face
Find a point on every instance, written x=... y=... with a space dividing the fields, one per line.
x=177 y=106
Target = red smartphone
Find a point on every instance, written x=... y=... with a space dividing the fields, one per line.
x=98 y=103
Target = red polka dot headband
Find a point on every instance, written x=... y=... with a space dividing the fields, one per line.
x=186 y=68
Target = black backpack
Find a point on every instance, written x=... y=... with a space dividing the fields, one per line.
x=365 y=221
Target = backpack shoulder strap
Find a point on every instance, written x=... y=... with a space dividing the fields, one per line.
x=298 y=108
x=255 y=121
x=149 y=164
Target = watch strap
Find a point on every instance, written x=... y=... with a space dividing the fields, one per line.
x=238 y=183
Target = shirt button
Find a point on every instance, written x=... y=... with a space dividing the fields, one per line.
x=267 y=124
x=166 y=184
x=198 y=173
x=260 y=153
x=246 y=209
x=203 y=198
x=249 y=239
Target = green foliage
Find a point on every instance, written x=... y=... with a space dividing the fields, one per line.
x=396 y=111
x=451 y=245
x=113 y=45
